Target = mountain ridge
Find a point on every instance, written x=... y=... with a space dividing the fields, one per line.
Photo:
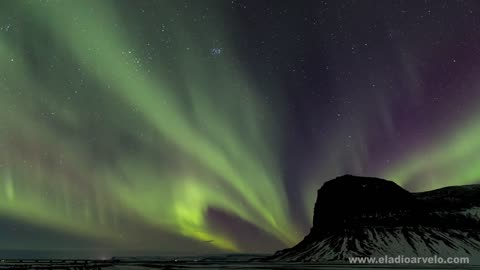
x=373 y=217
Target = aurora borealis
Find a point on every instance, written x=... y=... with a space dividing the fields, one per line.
x=207 y=126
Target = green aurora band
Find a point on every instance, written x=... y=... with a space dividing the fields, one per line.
x=450 y=160
x=210 y=151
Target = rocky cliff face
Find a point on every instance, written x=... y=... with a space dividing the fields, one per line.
x=371 y=217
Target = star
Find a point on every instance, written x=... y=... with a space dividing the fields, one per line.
x=216 y=51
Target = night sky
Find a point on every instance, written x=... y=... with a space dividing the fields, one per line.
x=155 y=127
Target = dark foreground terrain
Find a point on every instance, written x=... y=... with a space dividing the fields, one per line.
x=201 y=264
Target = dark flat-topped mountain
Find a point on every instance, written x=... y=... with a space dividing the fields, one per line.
x=370 y=217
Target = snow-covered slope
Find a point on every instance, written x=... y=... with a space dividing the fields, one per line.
x=378 y=242
x=370 y=217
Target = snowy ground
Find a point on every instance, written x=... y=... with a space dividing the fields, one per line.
x=281 y=266
x=131 y=265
